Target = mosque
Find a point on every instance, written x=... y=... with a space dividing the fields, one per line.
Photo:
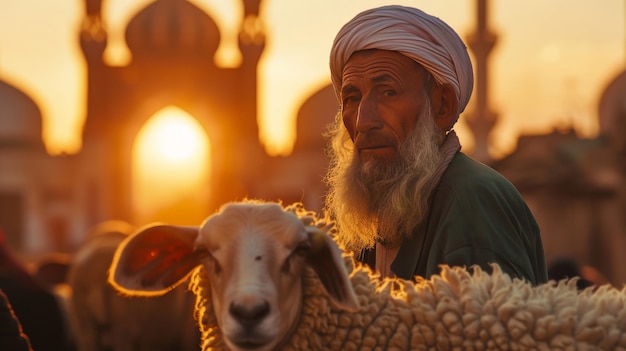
x=49 y=203
x=574 y=186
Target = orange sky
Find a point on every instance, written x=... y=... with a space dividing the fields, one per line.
x=552 y=60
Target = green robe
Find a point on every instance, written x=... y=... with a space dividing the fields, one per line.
x=476 y=217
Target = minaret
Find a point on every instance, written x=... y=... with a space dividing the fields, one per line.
x=92 y=31
x=252 y=28
x=93 y=42
x=482 y=119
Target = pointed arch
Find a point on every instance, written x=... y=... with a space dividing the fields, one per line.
x=171 y=169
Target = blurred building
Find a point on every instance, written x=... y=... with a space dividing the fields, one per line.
x=298 y=177
x=49 y=203
x=37 y=191
x=574 y=186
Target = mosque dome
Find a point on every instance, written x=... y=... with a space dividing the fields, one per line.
x=612 y=112
x=314 y=116
x=172 y=28
x=20 y=118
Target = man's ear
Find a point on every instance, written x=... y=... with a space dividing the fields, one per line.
x=445 y=105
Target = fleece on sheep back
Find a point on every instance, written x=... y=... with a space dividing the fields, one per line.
x=452 y=311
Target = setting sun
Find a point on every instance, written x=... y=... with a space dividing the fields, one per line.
x=177 y=139
x=171 y=157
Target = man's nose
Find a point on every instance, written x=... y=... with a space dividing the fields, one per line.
x=368 y=117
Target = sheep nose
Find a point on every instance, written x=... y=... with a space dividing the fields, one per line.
x=249 y=315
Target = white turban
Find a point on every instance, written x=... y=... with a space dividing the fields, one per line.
x=425 y=39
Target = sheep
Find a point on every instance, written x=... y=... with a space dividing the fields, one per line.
x=104 y=320
x=273 y=278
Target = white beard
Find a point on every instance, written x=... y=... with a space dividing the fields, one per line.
x=382 y=200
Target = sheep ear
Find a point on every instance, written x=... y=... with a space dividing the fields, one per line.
x=154 y=260
x=325 y=258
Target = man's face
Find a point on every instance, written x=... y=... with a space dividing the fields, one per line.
x=382 y=97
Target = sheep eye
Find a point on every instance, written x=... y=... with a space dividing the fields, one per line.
x=217 y=269
x=301 y=250
x=212 y=263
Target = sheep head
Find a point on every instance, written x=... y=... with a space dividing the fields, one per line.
x=254 y=254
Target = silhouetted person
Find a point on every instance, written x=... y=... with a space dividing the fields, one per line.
x=12 y=337
x=51 y=270
x=36 y=307
x=568 y=268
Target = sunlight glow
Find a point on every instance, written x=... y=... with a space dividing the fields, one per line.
x=170 y=168
x=176 y=139
x=37 y=35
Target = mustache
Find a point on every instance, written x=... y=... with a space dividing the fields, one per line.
x=373 y=139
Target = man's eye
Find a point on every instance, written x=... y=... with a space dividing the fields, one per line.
x=389 y=92
x=350 y=99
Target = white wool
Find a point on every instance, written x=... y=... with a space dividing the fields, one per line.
x=424 y=38
x=459 y=309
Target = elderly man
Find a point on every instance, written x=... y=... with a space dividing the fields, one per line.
x=404 y=197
